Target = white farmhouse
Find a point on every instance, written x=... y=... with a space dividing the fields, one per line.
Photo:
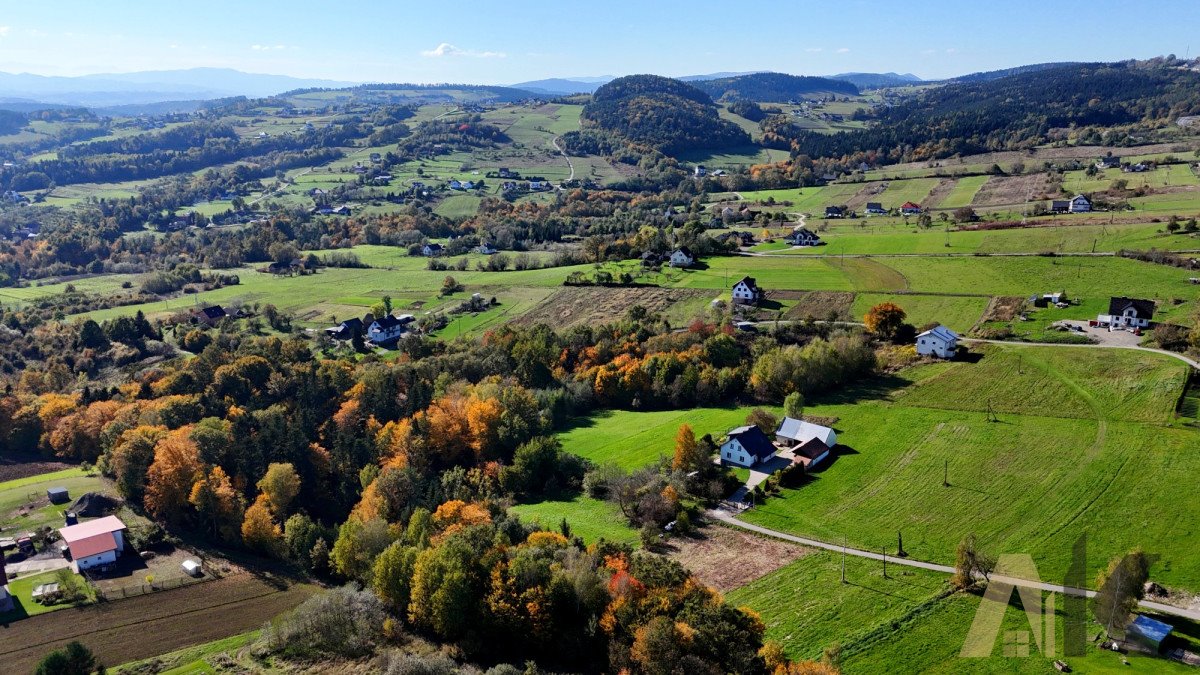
x=747 y=446
x=1079 y=204
x=938 y=341
x=388 y=328
x=682 y=257
x=1128 y=313
x=746 y=291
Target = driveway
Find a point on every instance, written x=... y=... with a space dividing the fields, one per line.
x=1106 y=337
x=37 y=566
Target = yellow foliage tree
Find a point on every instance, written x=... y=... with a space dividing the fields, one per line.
x=280 y=485
x=175 y=470
x=259 y=530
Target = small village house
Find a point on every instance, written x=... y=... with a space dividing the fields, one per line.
x=682 y=257
x=1109 y=161
x=834 y=212
x=58 y=495
x=746 y=292
x=388 y=328
x=485 y=249
x=700 y=171
x=1060 y=206
x=346 y=329
x=431 y=250
x=803 y=237
x=794 y=432
x=94 y=543
x=1127 y=313
x=209 y=315
x=747 y=446
x=875 y=209
x=938 y=341
x=1079 y=204
x=910 y=208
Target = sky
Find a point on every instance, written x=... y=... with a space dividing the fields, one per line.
x=504 y=43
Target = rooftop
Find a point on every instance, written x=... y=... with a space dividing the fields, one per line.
x=91 y=528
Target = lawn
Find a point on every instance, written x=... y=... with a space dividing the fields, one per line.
x=929 y=640
x=632 y=439
x=964 y=192
x=22 y=593
x=806 y=608
x=590 y=519
x=18 y=493
x=959 y=313
x=1079 y=444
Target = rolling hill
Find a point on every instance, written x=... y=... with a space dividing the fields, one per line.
x=774 y=87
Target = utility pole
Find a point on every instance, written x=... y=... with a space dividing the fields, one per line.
x=885 y=563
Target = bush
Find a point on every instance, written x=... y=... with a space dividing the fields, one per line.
x=346 y=621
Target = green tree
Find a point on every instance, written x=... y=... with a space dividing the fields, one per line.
x=444 y=597
x=73 y=659
x=763 y=420
x=1118 y=590
x=793 y=405
x=392 y=580
x=280 y=485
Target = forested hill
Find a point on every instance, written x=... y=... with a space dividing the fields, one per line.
x=1015 y=112
x=772 y=87
x=1019 y=70
x=662 y=113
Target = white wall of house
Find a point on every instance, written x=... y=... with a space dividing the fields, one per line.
x=733 y=452
x=931 y=345
x=743 y=293
x=105 y=558
x=680 y=259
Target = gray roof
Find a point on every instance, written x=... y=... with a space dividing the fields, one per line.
x=941 y=332
x=1144 y=308
x=802 y=431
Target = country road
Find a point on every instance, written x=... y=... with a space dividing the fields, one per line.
x=1139 y=348
x=728 y=519
x=1083 y=254
x=562 y=152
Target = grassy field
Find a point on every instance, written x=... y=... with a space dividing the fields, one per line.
x=929 y=639
x=806 y=608
x=959 y=313
x=589 y=518
x=963 y=193
x=633 y=439
x=1080 y=445
x=31 y=492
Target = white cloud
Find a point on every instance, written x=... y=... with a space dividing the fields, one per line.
x=268 y=48
x=844 y=50
x=951 y=50
x=813 y=49
x=928 y=52
x=4 y=30
x=447 y=49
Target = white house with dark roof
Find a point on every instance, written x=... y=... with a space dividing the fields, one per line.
x=938 y=341
x=747 y=446
x=682 y=257
x=1128 y=313
x=746 y=292
x=1079 y=204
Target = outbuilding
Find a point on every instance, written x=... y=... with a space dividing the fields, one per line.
x=192 y=568
x=794 y=432
x=1148 y=632
x=58 y=495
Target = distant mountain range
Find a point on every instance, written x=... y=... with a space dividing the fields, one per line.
x=876 y=80
x=116 y=89
x=563 y=86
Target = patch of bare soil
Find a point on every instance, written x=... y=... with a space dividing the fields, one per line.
x=1010 y=190
x=595 y=305
x=1003 y=308
x=727 y=559
x=14 y=466
x=944 y=187
x=819 y=305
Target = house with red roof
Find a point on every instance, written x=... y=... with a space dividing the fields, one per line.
x=910 y=208
x=96 y=542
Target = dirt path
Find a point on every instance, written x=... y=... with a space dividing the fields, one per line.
x=562 y=152
x=728 y=519
x=149 y=625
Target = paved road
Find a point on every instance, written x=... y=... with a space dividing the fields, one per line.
x=1083 y=254
x=1164 y=352
x=728 y=518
